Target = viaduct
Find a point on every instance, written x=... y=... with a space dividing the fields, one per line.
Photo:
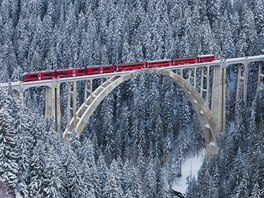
x=208 y=99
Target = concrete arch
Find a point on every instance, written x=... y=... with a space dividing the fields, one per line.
x=88 y=107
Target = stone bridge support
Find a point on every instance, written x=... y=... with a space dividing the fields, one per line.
x=260 y=76
x=204 y=87
x=242 y=82
x=52 y=104
x=218 y=97
x=72 y=100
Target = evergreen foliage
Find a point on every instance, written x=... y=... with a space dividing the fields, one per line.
x=134 y=144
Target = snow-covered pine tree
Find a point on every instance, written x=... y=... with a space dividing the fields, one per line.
x=102 y=173
x=8 y=140
x=112 y=186
x=256 y=192
x=25 y=146
x=151 y=179
x=36 y=187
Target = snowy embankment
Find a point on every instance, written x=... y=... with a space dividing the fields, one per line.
x=190 y=167
x=18 y=195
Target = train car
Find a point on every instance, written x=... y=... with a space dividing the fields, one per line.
x=205 y=58
x=80 y=71
x=108 y=69
x=183 y=61
x=159 y=63
x=63 y=73
x=130 y=66
x=93 y=70
x=42 y=75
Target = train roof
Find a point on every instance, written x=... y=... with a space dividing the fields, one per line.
x=69 y=69
x=100 y=66
x=153 y=61
x=186 y=58
x=136 y=63
x=36 y=72
x=205 y=55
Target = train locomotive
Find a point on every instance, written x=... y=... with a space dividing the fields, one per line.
x=91 y=70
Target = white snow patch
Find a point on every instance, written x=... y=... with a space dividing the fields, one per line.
x=212 y=143
x=201 y=112
x=18 y=195
x=190 y=167
x=195 y=101
x=207 y=126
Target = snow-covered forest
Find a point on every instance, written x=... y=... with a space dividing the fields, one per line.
x=135 y=142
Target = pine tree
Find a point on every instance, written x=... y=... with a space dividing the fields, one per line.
x=91 y=177
x=228 y=48
x=8 y=141
x=167 y=107
x=248 y=34
x=25 y=146
x=72 y=180
x=259 y=16
x=151 y=179
x=102 y=172
x=136 y=183
x=213 y=11
x=54 y=172
x=165 y=190
x=256 y=192
x=53 y=183
x=237 y=173
x=112 y=186
x=37 y=171
x=107 y=128
x=203 y=179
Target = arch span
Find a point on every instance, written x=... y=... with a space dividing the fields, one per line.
x=91 y=103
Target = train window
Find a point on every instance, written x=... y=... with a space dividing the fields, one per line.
x=159 y=62
x=95 y=69
x=81 y=71
x=63 y=72
x=33 y=76
x=47 y=74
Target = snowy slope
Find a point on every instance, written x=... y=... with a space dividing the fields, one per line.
x=190 y=168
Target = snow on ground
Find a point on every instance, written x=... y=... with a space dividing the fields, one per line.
x=190 y=167
x=18 y=195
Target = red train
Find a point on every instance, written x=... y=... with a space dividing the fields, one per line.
x=63 y=73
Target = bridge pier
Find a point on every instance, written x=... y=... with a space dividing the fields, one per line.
x=21 y=98
x=71 y=109
x=57 y=109
x=260 y=76
x=52 y=105
x=49 y=106
x=192 y=77
x=204 y=88
x=19 y=94
x=218 y=97
x=242 y=78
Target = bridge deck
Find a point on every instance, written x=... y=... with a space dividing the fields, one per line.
x=19 y=85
